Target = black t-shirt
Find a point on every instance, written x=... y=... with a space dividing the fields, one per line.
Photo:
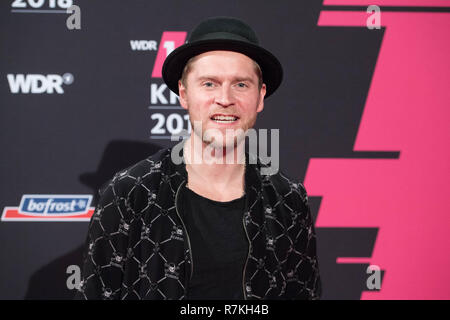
x=219 y=246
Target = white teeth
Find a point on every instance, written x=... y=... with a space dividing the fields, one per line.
x=223 y=121
x=224 y=118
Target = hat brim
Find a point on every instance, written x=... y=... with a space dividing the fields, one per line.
x=270 y=66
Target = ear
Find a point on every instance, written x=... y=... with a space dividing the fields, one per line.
x=182 y=95
x=262 y=93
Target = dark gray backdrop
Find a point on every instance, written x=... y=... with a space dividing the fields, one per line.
x=70 y=143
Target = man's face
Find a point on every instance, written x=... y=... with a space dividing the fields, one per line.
x=222 y=93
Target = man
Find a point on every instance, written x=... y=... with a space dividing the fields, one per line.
x=211 y=229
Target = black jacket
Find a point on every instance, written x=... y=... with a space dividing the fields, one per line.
x=138 y=248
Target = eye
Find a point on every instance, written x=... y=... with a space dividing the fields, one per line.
x=241 y=85
x=208 y=84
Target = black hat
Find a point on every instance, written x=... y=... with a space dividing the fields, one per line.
x=222 y=33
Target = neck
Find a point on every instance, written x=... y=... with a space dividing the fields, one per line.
x=218 y=169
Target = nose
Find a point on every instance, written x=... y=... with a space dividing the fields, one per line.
x=224 y=96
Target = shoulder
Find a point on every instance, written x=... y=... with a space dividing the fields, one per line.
x=283 y=185
x=291 y=190
x=288 y=184
x=147 y=170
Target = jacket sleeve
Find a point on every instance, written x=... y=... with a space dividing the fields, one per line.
x=304 y=280
x=105 y=247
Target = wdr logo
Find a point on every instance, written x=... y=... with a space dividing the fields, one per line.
x=38 y=83
x=143 y=45
x=50 y=208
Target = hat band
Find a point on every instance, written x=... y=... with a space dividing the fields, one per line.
x=221 y=36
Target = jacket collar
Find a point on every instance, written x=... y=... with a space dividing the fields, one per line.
x=253 y=179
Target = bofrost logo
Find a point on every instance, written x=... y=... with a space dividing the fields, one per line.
x=50 y=207
x=38 y=83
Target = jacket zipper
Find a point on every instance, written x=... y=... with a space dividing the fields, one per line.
x=246 y=260
x=185 y=230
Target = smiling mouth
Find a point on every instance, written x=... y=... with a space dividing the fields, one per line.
x=224 y=118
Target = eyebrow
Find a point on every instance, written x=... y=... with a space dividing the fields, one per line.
x=248 y=79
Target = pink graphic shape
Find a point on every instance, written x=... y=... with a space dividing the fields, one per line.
x=407 y=110
x=380 y=3
x=170 y=40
